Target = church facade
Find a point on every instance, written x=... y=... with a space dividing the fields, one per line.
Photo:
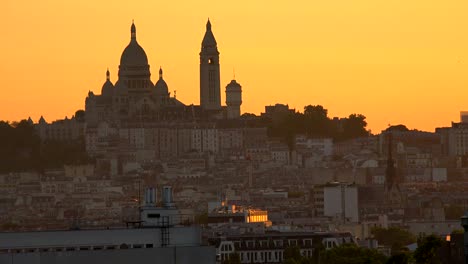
x=134 y=98
x=140 y=120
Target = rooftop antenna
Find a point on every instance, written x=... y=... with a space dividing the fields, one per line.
x=234 y=72
x=175 y=94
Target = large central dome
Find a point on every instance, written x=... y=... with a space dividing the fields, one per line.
x=133 y=55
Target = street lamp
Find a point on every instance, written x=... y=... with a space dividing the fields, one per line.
x=464 y=223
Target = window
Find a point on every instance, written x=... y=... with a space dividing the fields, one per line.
x=292 y=242
x=279 y=243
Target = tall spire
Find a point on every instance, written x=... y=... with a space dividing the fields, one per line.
x=209 y=39
x=208 y=25
x=107 y=75
x=160 y=73
x=210 y=87
x=133 y=31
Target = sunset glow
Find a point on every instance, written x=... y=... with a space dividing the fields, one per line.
x=392 y=61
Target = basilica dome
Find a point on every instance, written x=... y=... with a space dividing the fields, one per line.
x=133 y=55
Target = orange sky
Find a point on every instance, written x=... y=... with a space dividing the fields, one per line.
x=395 y=61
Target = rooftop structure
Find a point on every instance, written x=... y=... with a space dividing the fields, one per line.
x=161 y=236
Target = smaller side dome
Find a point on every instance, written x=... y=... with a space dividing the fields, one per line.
x=161 y=85
x=107 y=87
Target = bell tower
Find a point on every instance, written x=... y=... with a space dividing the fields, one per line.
x=210 y=90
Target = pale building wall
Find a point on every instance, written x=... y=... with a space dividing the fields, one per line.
x=339 y=198
x=167 y=255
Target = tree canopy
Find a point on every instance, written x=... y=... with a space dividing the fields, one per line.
x=22 y=150
x=393 y=237
x=352 y=254
x=426 y=253
x=314 y=122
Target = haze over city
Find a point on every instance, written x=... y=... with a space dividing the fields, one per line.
x=221 y=132
x=392 y=61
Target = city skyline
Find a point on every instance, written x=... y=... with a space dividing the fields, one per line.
x=392 y=71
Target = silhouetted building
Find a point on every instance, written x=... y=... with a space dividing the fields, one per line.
x=162 y=236
x=270 y=247
x=134 y=97
x=61 y=130
x=210 y=95
x=454 y=139
x=464 y=116
x=277 y=112
x=143 y=120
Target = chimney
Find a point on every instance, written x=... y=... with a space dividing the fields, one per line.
x=150 y=196
x=167 y=197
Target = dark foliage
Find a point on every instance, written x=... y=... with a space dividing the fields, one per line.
x=314 y=122
x=352 y=254
x=393 y=237
x=22 y=150
x=426 y=253
x=401 y=128
x=400 y=258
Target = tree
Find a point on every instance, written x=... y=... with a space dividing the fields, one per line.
x=80 y=115
x=287 y=127
x=22 y=150
x=427 y=250
x=400 y=127
x=316 y=121
x=355 y=126
x=318 y=251
x=293 y=253
x=400 y=258
x=352 y=254
x=393 y=237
